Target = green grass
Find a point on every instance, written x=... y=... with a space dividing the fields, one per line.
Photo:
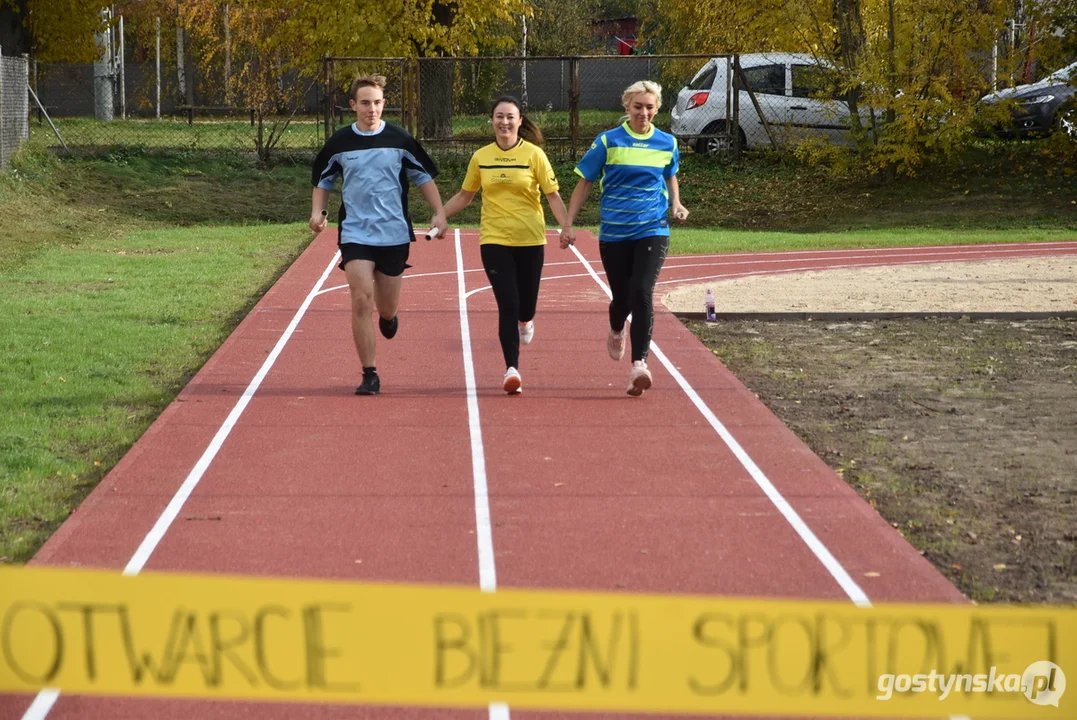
x=173 y=133
x=100 y=330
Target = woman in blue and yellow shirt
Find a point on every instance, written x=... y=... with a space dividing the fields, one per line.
x=636 y=164
x=513 y=174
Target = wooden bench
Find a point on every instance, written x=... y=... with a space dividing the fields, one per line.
x=190 y=110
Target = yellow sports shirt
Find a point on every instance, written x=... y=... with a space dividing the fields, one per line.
x=512 y=182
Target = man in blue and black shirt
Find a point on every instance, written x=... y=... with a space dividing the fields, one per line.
x=376 y=162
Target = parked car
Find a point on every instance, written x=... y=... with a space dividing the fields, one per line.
x=1040 y=107
x=795 y=93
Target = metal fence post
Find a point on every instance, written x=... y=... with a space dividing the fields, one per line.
x=327 y=99
x=573 y=105
x=735 y=92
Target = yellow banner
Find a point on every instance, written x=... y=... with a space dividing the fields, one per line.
x=97 y=632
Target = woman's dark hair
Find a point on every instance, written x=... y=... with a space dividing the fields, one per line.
x=529 y=131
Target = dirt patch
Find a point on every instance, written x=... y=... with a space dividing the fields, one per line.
x=1020 y=285
x=962 y=434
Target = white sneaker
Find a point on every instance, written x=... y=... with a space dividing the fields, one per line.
x=639 y=379
x=527 y=331
x=615 y=344
x=513 y=382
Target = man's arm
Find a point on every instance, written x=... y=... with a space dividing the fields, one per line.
x=318 y=201
x=433 y=199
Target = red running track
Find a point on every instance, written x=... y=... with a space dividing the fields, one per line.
x=267 y=464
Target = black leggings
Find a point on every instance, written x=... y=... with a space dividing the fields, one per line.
x=514 y=274
x=632 y=268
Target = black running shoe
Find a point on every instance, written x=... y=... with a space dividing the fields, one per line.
x=371 y=385
x=389 y=327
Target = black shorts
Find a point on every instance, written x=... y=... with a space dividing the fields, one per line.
x=390 y=260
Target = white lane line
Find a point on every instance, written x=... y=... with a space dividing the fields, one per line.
x=483 y=532
x=47 y=698
x=977 y=255
x=911 y=249
x=41 y=705
x=855 y=593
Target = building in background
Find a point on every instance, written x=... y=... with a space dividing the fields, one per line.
x=618 y=35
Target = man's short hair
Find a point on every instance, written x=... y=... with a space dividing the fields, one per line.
x=363 y=81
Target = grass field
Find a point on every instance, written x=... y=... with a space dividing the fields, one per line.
x=121 y=273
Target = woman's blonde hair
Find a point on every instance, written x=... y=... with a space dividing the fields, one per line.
x=642 y=86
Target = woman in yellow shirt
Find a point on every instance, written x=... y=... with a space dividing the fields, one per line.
x=513 y=173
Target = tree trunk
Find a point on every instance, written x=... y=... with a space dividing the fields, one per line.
x=436 y=80
x=181 y=63
x=850 y=45
x=227 y=55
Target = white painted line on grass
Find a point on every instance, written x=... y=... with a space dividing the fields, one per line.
x=47 y=698
x=855 y=593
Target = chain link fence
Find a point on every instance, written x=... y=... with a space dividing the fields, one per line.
x=14 y=128
x=571 y=99
x=715 y=105
x=135 y=105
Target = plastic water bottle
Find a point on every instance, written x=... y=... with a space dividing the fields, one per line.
x=708 y=302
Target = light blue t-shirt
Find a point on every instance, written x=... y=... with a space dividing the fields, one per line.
x=376 y=168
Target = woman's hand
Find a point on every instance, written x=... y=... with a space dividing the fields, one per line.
x=680 y=212
x=568 y=237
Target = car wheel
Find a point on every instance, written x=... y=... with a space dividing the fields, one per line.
x=719 y=142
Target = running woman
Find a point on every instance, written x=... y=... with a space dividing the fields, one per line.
x=376 y=161
x=513 y=173
x=637 y=165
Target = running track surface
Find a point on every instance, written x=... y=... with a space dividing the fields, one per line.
x=267 y=464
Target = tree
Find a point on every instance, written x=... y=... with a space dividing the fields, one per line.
x=562 y=27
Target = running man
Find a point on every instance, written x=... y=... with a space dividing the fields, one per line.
x=376 y=160
x=637 y=164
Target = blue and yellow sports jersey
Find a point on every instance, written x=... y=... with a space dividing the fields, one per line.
x=632 y=170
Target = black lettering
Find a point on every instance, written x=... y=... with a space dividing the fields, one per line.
x=556 y=650
x=706 y=632
x=57 y=642
x=260 y=647
x=87 y=612
x=493 y=648
x=223 y=647
x=747 y=639
x=189 y=637
x=317 y=652
x=821 y=666
x=459 y=642
x=774 y=654
x=589 y=649
x=894 y=642
x=145 y=663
